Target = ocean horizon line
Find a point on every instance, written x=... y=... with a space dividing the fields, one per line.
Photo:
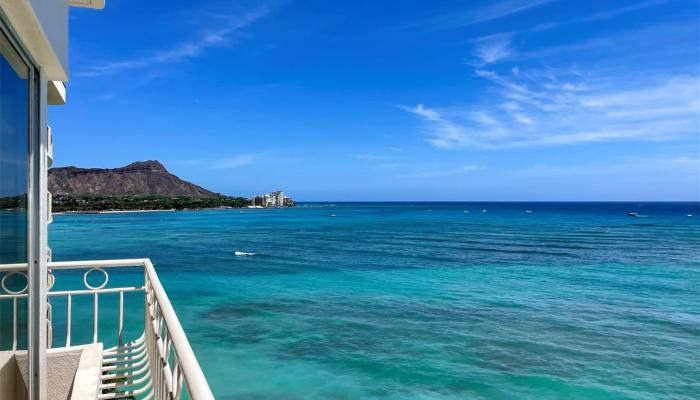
x=492 y=201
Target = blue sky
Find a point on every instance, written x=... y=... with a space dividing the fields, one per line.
x=393 y=100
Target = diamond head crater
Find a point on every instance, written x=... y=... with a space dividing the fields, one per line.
x=141 y=185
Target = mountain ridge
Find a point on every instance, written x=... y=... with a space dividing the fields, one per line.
x=140 y=178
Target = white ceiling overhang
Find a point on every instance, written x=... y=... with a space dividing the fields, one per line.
x=96 y=4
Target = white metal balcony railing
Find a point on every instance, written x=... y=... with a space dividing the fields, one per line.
x=159 y=364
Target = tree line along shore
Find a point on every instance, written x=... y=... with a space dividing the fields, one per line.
x=64 y=203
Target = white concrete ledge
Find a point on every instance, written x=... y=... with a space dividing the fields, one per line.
x=96 y=4
x=56 y=93
x=43 y=32
x=87 y=378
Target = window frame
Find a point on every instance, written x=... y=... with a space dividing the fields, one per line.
x=37 y=249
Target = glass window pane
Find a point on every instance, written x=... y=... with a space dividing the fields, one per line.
x=14 y=161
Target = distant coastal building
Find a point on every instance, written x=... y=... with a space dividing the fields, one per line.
x=272 y=199
x=279 y=198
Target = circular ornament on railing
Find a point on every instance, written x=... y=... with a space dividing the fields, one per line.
x=4 y=278
x=51 y=280
x=87 y=285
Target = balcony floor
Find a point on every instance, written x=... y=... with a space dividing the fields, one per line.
x=74 y=373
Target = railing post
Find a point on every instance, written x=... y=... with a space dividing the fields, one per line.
x=14 y=323
x=95 y=318
x=69 y=307
x=120 y=339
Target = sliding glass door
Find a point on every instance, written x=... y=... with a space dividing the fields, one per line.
x=15 y=128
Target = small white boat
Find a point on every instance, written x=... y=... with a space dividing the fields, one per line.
x=632 y=214
x=243 y=254
x=483 y=210
x=466 y=211
x=528 y=211
x=689 y=215
x=332 y=215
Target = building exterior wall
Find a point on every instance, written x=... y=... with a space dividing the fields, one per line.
x=274 y=199
x=52 y=15
x=38 y=29
x=41 y=26
x=12 y=385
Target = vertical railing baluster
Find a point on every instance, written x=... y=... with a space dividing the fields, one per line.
x=154 y=370
x=159 y=365
x=153 y=321
x=69 y=307
x=120 y=339
x=146 y=327
x=95 y=318
x=14 y=323
x=49 y=317
x=177 y=377
x=167 y=376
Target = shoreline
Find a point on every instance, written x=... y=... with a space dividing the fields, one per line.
x=109 y=211
x=131 y=211
x=88 y=212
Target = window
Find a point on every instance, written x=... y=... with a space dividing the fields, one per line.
x=14 y=183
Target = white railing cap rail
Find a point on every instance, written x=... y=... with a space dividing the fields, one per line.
x=133 y=262
x=13 y=267
x=196 y=382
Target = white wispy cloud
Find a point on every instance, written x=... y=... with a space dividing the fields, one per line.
x=504 y=8
x=483 y=118
x=493 y=48
x=370 y=156
x=465 y=169
x=475 y=14
x=560 y=108
x=651 y=40
x=421 y=110
x=106 y=96
x=235 y=161
x=188 y=163
x=222 y=36
x=523 y=118
x=679 y=164
x=599 y=16
x=690 y=161
x=492 y=11
x=238 y=160
x=444 y=133
x=390 y=165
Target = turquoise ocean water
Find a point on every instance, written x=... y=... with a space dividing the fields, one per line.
x=424 y=300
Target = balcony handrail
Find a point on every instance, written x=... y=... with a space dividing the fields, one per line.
x=13 y=267
x=132 y=262
x=196 y=382
x=160 y=310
